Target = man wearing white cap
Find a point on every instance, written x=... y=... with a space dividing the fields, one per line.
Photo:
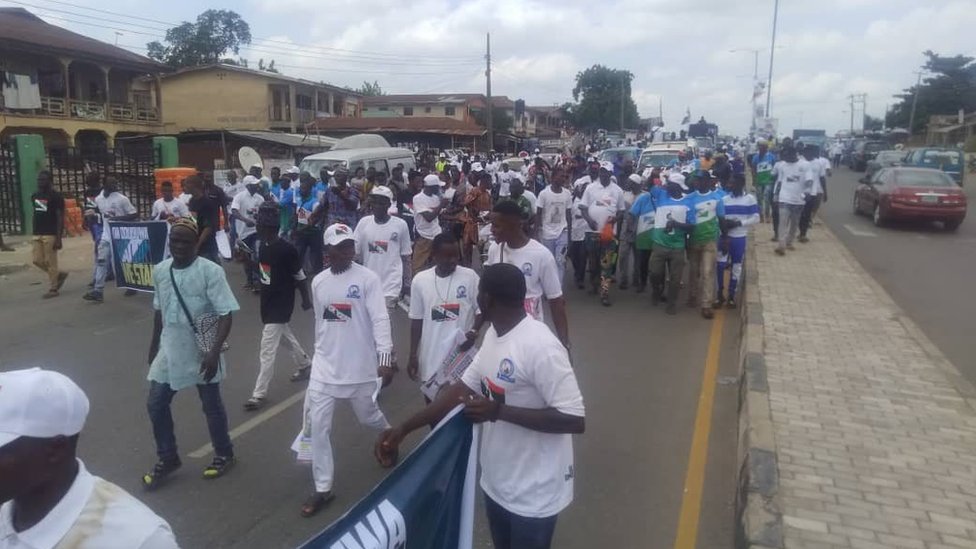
x=383 y=244
x=353 y=346
x=48 y=497
x=441 y=162
x=244 y=211
x=427 y=206
x=504 y=179
x=602 y=204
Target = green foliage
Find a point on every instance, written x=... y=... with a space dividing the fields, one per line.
x=371 y=89
x=950 y=86
x=598 y=98
x=500 y=119
x=191 y=44
x=872 y=124
x=267 y=68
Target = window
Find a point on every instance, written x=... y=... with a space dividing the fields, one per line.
x=303 y=101
x=365 y=109
x=427 y=110
x=379 y=165
x=407 y=111
x=448 y=111
x=384 y=108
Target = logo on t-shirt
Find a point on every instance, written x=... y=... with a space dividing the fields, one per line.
x=394 y=237
x=265 y=273
x=353 y=292
x=445 y=312
x=337 y=312
x=527 y=269
x=40 y=204
x=462 y=292
x=506 y=370
x=491 y=391
x=379 y=246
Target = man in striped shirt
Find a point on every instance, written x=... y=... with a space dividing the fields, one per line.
x=741 y=211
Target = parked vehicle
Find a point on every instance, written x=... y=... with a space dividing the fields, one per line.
x=948 y=160
x=884 y=159
x=656 y=159
x=381 y=158
x=911 y=193
x=864 y=151
x=619 y=155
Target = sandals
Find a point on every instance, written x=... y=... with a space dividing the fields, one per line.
x=218 y=467
x=316 y=502
x=160 y=471
x=254 y=403
x=301 y=374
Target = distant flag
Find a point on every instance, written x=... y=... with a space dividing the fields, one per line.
x=687 y=118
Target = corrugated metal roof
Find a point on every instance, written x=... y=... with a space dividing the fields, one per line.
x=264 y=74
x=435 y=99
x=406 y=124
x=288 y=139
x=21 y=29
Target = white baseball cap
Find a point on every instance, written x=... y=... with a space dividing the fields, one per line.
x=250 y=180
x=442 y=155
x=606 y=166
x=294 y=170
x=477 y=167
x=636 y=178
x=433 y=181
x=337 y=233
x=381 y=190
x=40 y=404
x=257 y=165
x=675 y=177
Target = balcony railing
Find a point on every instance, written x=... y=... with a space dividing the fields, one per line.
x=94 y=110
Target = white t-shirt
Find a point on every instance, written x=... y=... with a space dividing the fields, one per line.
x=111 y=206
x=817 y=170
x=539 y=267
x=532 y=198
x=380 y=245
x=247 y=205
x=554 y=207
x=184 y=198
x=174 y=208
x=447 y=305
x=794 y=180
x=423 y=203
x=578 y=232
x=585 y=180
x=504 y=182
x=602 y=203
x=92 y=514
x=352 y=325
x=527 y=472
x=235 y=189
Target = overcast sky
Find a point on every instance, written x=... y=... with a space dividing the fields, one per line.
x=678 y=50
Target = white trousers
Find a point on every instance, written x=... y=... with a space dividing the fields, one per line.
x=270 y=339
x=321 y=407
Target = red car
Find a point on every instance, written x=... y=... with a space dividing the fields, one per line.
x=911 y=193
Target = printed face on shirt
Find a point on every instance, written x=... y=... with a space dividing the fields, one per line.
x=337 y=312
x=379 y=246
x=492 y=391
x=445 y=312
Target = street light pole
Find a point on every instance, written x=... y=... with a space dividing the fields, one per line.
x=772 y=50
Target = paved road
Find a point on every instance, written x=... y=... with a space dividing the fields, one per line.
x=927 y=270
x=640 y=372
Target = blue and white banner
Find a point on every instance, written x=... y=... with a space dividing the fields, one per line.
x=426 y=502
x=137 y=246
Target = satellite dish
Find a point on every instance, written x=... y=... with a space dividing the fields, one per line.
x=249 y=157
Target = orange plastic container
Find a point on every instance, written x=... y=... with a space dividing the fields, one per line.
x=173 y=175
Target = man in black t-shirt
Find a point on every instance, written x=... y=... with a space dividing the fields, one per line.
x=206 y=212
x=48 y=205
x=280 y=273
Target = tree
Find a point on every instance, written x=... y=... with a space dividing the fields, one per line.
x=872 y=124
x=202 y=43
x=266 y=68
x=370 y=89
x=501 y=121
x=598 y=94
x=950 y=86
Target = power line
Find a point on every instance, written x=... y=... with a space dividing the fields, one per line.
x=358 y=53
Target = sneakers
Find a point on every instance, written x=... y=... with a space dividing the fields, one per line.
x=605 y=301
x=50 y=293
x=301 y=374
x=219 y=467
x=94 y=297
x=254 y=403
x=707 y=313
x=780 y=251
x=717 y=304
x=160 y=471
x=730 y=304
x=803 y=239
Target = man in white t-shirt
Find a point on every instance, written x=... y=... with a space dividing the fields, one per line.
x=443 y=309
x=168 y=208
x=47 y=496
x=537 y=264
x=522 y=389
x=112 y=206
x=427 y=206
x=504 y=179
x=794 y=181
x=555 y=216
x=819 y=169
x=383 y=244
x=602 y=204
x=353 y=348
x=244 y=211
x=591 y=176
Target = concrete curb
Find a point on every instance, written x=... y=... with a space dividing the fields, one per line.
x=759 y=515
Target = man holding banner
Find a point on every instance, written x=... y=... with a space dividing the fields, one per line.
x=112 y=206
x=522 y=388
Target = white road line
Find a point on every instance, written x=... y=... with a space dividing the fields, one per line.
x=859 y=232
x=250 y=424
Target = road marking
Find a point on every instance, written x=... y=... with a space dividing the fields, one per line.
x=250 y=424
x=687 y=535
x=859 y=232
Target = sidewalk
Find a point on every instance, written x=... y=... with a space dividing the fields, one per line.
x=875 y=440
x=76 y=255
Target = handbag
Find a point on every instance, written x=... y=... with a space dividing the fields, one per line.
x=204 y=326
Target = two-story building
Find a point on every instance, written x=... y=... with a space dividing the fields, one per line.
x=71 y=89
x=219 y=96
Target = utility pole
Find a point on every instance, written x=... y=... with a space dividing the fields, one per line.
x=490 y=106
x=911 y=118
x=772 y=50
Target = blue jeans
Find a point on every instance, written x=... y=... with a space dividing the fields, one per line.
x=511 y=531
x=559 y=248
x=161 y=416
x=103 y=264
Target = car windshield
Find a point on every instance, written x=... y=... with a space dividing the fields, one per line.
x=617 y=156
x=313 y=166
x=875 y=146
x=922 y=178
x=941 y=158
x=657 y=160
x=890 y=156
